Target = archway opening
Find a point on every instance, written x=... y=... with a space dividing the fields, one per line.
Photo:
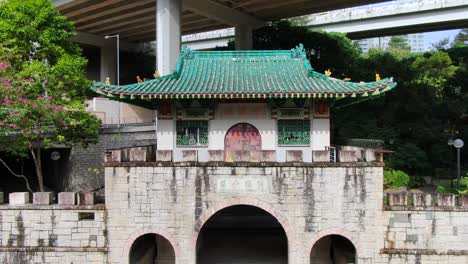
x=150 y=249
x=242 y=234
x=333 y=249
x=242 y=142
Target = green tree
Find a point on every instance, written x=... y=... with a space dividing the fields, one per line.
x=398 y=43
x=434 y=71
x=461 y=39
x=442 y=44
x=332 y=51
x=399 y=47
x=43 y=83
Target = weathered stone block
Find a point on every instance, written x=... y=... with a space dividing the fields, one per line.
x=347 y=156
x=429 y=199
x=464 y=201
x=294 y=156
x=189 y=155
x=86 y=198
x=151 y=153
x=107 y=156
x=163 y=155
x=413 y=238
x=445 y=199
x=397 y=199
x=421 y=199
x=67 y=198
x=125 y=155
x=19 y=198
x=245 y=155
x=113 y=155
x=216 y=155
x=268 y=156
x=137 y=154
x=43 y=198
x=321 y=156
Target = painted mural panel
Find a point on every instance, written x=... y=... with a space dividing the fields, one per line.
x=242 y=143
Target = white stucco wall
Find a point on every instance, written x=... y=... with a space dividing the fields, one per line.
x=320 y=133
x=135 y=114
x=105 y=109
x=256 y=114
x=166 y=134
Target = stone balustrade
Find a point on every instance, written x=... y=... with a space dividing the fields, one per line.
x=48 y=198
x=151 y=154
x=421 y=200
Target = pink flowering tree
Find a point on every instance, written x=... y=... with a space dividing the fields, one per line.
x=43 y=83
x=31 y=120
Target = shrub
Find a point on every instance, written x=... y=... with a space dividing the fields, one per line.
x=416 y=182
x=446 y=188
x=395 y=179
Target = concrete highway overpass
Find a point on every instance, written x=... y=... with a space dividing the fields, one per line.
x=400 y=17
x=384 y=19
x=135 y=20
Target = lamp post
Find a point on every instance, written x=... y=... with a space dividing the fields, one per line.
x=458 y=144
x=117 y=36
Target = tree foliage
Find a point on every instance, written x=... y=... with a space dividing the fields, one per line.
x=395 y=179
x=42 y=82
x=461 y=39
x=332 y=51
x=416 y=119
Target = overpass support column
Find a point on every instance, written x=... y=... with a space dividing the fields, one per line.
x=168 y=21
x=108 y=64
x=244 y=38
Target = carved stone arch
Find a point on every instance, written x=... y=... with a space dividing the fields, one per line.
x=335 y=232
x=249 y=201
x=144 y=231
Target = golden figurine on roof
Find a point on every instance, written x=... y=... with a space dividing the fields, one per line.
x=377 y=77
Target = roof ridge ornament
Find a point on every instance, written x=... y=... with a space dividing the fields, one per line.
x=186 y=53
x=299 y=51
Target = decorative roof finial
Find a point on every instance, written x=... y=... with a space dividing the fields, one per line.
x=186 y=53
x=299 y=51
x=156 y=74
x=139 y=80
x=328 y=73
x=377 y=77
x=108 y=81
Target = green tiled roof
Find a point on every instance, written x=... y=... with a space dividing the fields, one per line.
x=244 y=74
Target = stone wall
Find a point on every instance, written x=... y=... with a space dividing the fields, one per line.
x=425 y=228
x=53 y=234
x=425 y=237
x=175 y=201
x=85 y=165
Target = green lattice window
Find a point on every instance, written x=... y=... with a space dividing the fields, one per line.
x=293 y=132
x=192 y=133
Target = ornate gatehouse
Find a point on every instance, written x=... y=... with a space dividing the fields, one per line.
x=242 y=170
x=244 y=105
